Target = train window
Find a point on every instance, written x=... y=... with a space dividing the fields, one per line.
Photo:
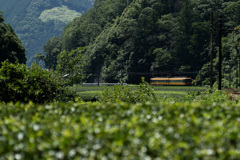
x=188 y=80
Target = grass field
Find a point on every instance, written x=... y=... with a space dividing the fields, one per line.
x=92 y=93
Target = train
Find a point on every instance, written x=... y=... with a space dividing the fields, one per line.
x=174 y=81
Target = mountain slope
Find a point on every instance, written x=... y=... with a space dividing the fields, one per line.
x=35 y=21
x=159 y=38
x=128 y=39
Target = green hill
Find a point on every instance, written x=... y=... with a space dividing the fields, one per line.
x=128 y=39
x=35 y=21
x=125 y=40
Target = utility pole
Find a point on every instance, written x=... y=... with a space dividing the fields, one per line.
x=238 y=72
x=220 y=55
x=211 y=56
x=98 y=70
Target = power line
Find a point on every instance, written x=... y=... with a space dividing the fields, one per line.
x=170 y=72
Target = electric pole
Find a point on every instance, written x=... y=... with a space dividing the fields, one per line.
x=98 y=70
x=211 y=56
x=220 y=55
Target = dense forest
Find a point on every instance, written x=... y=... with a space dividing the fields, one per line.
x=126 y=39
x=11 y=48
x=36 y=21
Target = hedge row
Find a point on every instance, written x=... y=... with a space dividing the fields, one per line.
x=119 y=131
x=19 y=82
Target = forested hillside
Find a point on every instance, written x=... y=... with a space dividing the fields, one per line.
x=35 y=21
x=11 y=48
x=127 y=39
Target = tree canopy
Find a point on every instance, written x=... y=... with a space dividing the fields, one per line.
x=11 y=47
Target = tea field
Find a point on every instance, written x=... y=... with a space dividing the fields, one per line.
x=198 y=126
x=80 y=130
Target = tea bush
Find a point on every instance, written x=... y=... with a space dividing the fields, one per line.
x=120 y=131
x=208 y=96
x=21 y=83
x=142 y=93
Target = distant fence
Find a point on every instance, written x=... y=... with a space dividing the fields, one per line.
x=103 y=84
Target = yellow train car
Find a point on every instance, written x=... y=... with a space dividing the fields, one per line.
x=175 y=81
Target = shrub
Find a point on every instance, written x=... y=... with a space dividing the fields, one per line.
x=142 y=93
x=207 y=96
x=21 y=83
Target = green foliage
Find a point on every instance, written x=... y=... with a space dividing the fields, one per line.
x=24 y=84
x=183 y=39
x=230 y=45
x=73 y=64
x=83 y=30
x=231 y=9
x=208 y=96
x=142 y=93
x=28 y=21
x=52 y=48
x=230 y=62
x=163 y=58
x=162 y=93
x=119 y=131
x=1 y=17
x=87 y=93
x=11 y=47
x=39 y=57
x=129 y=43
x=150 y=36
x=124 y=38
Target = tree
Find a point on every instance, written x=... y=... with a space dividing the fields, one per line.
x=163 y=60
x=199 y=43
x=39 y=57
x=232 y=12
x=182 y=43
x=1 y=17
x=72 y=65
x=11 y=47
x=52 y=49
x=19 y=82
